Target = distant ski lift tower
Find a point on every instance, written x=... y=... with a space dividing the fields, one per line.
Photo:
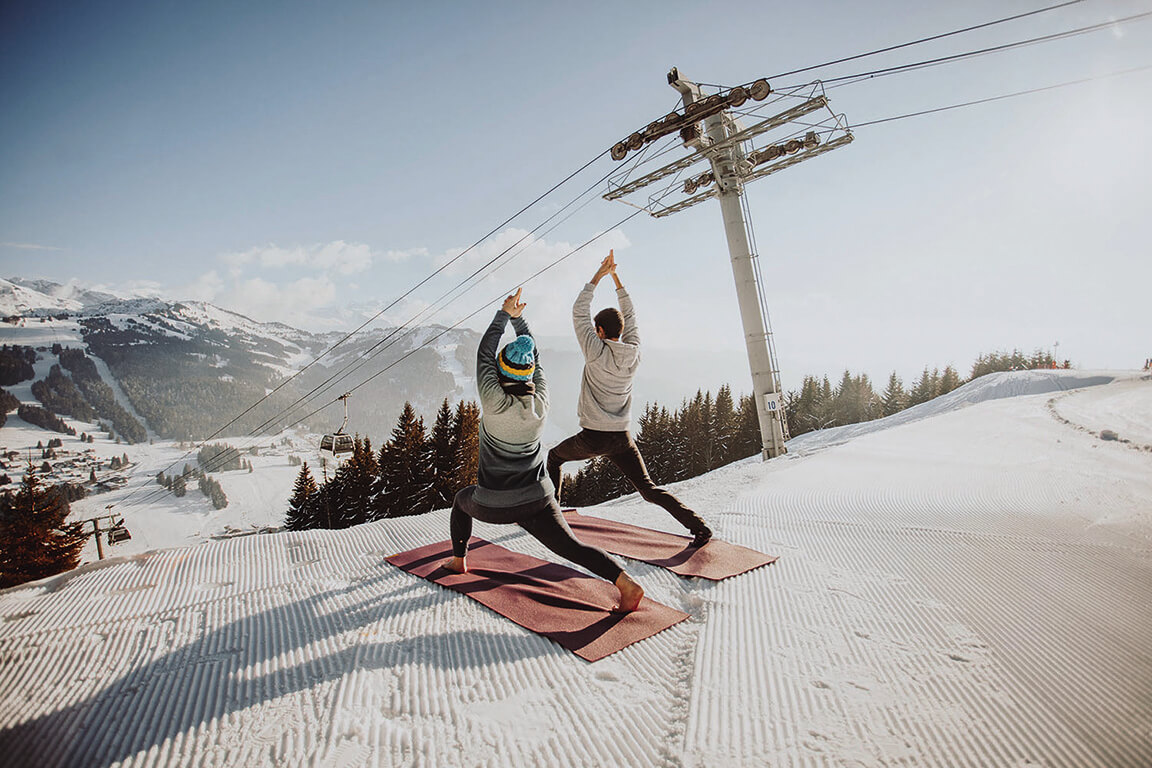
x=728 y=148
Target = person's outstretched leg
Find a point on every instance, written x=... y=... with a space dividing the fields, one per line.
x=550 y=528
x=626 y=456
x=574 y=448
x=460 y=527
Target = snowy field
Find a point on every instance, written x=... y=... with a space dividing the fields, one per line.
x=967 y=583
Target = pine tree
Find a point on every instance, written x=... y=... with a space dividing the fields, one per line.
x=353 y=487
x=35 y=542
x=320 y=508
x=855 y=401
x=924 y=389
x=443 y=459
x=693 y=426
x=798 y=407
x=651 y=439
x=748 y=441
x=300 y=507
x=894 y=399
x=179 y=486
x=211 y=488
x=725 y=424
x=597 y=481
x=949 y=380
x=843 y=401
x=707 y=446
x=465 y=444
x=405 y=481
x=824 y=412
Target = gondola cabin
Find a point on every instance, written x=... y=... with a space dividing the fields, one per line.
x=118 y=534
x=335 y=447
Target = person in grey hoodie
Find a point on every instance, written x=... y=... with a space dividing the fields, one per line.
x=512 y=484
x=611 y=346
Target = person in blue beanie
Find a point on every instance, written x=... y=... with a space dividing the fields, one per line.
x=611 y=347
x=512 y=484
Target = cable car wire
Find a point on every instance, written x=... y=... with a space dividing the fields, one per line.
x=833 y=81
x=847 y=79
x=910 y=43
x=393 y=334
x=926 y=39
x=484 y=306
x=1003 y=96
x=159 y=492
x=408 y=293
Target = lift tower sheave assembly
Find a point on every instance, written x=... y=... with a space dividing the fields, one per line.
x=708 y=128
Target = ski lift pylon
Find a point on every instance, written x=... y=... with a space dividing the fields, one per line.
x=338 y=444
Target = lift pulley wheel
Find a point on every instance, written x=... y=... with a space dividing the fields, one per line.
x=760 y=90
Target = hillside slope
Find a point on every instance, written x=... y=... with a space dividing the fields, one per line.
x=971 y=588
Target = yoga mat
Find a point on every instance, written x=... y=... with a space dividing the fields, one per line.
x=558 y=602
x=715 y=560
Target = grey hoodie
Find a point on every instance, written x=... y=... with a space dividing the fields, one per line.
x=609 y=366
x=511 y=462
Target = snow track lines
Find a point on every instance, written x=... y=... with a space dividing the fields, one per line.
x=307 y=648
x=970 y=589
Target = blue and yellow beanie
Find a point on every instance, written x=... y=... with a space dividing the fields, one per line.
x=517 y=361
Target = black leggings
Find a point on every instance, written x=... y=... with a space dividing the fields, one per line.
x=543 y=519
x=621 y=450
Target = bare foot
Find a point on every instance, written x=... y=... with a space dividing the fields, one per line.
x=456 y=565
x=630 y=594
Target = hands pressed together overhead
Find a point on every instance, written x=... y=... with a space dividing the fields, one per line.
x=607 y=267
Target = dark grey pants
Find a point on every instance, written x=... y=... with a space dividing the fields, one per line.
x=543 y=519
x=621 y=450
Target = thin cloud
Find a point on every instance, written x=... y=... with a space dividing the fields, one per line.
x=337 y=256
x=254 y=284
x=294 y=303
x=31 y=247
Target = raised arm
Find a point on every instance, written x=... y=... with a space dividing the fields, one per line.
x=631 y=333
x=582 y=321
x=520 y=325
x=590 y=343
x=487 y=381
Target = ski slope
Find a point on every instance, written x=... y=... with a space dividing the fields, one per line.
x=968 y=583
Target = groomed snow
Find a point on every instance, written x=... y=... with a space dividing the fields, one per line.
x=965 y=584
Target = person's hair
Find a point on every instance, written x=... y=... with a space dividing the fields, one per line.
x=611 y=321
x=517 y=388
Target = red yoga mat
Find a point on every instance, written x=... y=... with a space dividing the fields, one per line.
x=716 y=560
x=558 y=602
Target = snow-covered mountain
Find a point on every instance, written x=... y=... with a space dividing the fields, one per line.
x=968 y=587
x=190 y=367
x=34 y=298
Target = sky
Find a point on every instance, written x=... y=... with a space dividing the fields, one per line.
x=311 y=163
